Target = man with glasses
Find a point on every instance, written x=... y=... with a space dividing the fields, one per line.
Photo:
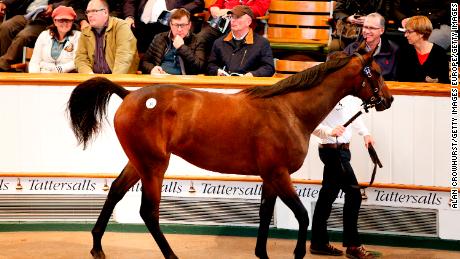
x=108 y=46
x=176 y=52
x=22 y=30
x=241 y=51
x=386 y=50
x=143 y=16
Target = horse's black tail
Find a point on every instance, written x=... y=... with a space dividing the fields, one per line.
x=87 y=106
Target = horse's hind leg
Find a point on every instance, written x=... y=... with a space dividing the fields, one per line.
x=285 y=190
x=120 y=186
x=150 y=206
x=267 y=205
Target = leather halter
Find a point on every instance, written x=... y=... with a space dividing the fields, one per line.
x=376 y=98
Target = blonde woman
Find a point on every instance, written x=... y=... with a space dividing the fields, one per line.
x=55 y=48
x=422 y=61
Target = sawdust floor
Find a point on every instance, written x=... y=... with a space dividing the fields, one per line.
x=65 y=245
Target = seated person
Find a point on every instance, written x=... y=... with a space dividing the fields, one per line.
x=424 y=61
x=438 y=12
x=241 y=51
x=55 y=48
x=352 y=12
x=220 y=9
x=108 y=46
x=176 y=52
x=144 y=17
x=385 y=55
x=22 y=29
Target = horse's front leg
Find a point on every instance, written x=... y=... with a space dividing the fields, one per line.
x=267 y=205
x=285 y=190
x=120 y=186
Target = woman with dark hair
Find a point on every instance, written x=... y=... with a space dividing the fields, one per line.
x=424 y=61
x=55 y=48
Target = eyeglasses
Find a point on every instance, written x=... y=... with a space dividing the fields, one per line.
x=371 y=28
x=92 y=11
x=179 y=25
x=409 y=31
x=63 y=20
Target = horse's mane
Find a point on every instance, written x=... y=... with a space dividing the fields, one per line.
x=300 y=81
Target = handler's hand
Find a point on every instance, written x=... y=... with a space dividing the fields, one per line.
x=368 y=140
x=338 y=131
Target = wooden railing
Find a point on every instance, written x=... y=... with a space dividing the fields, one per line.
x=397 y=88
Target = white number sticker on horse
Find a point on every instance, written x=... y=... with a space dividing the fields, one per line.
x=150 y=103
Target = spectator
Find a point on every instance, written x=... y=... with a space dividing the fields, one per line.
x=32 y=17
x=178 y=51
x=108 y=46
x=338 y=175
x=143 y=16
x=55 y=48
x=424 y=61
x=241 y=51
x=385 y=53
x=438 y=12
x=219 y=11
x=115 y=10
x=352 y=13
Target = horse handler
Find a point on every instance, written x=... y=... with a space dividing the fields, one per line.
x=338 y=175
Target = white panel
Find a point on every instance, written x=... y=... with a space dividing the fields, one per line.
x=442 y=142
x=423 y=140
x=402 y=148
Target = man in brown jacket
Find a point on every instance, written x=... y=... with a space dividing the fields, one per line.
x=108 y=46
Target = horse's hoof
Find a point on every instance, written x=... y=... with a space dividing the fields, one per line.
x=262 y=255
x=97 y=254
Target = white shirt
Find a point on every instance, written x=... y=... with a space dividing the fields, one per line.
x=42 y=62
x=342 y=112
x=152 y=10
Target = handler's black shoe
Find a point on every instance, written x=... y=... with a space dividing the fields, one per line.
x=325 y=250
x=359 y=253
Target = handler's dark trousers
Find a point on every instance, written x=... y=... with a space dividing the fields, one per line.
x=337 y=176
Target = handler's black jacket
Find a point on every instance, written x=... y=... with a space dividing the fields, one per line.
x=192 y=53
x=254 y=55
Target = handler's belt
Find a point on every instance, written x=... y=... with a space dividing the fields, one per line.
x=335 y=145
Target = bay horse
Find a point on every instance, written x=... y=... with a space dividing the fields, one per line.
x=262 y=131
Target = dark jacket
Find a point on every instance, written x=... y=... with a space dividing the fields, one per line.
x=345 y=8
x=134 y=8
x=437 y=11
x=436 y=66
x=192 y=53
x=254 y=55
x=386 y=58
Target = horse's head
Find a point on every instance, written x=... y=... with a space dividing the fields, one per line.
x=371 y=86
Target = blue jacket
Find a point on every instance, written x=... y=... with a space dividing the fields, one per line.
x=386 y=58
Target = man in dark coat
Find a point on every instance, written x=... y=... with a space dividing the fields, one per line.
x=143 y=16
x=241 y=51
x=385 y=55
x=177 y=51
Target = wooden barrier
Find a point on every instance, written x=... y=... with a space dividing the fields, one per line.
x=16 y=79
